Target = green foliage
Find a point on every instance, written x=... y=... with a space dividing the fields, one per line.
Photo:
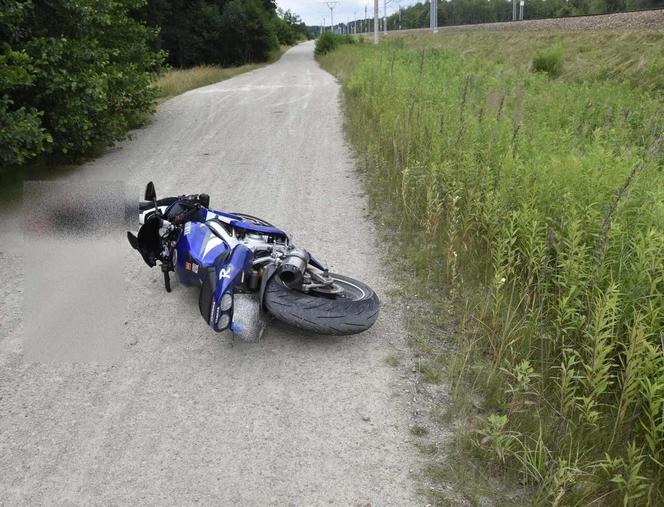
x=549 y=60
x=329 y=41
x=289 y=28
x=221 y=32
x=285 y=35
x=72 y=76
x=538 y=203
x=22 y=136
x=244 y=35
x=592 y=56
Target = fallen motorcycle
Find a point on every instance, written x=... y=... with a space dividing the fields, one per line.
x=245 y=266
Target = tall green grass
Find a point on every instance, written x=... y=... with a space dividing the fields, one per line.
x=539 y=204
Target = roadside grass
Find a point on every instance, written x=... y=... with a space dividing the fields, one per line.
x=529 y=210
x=177 y=81
x=631 y=56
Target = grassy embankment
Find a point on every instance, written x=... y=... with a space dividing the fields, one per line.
x=524 y=173
x=177 y=81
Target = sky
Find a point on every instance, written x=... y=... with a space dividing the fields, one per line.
x=313 y=11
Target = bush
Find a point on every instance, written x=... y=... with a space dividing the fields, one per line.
x=22 y=136
x=216 y=32
x=245 y=34
x=73 y=75
x=285 y=34
x=549 y=60
x=329 y=41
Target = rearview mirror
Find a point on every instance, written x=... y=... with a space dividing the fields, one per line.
x=150 y=192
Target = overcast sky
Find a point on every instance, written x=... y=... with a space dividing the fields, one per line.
x=312 y=11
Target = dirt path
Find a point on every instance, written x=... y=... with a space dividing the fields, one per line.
x=191 y=417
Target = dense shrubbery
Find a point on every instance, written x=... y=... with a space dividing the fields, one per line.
x=221 y=32
x=539 y=205
x=72 y=75
x=549 y=60
x=329 y=41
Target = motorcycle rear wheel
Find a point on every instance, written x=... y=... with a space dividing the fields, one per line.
x=351 y=312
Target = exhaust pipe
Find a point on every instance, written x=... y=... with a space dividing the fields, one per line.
x=291 y=271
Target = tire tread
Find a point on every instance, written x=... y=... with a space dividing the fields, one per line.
x=320 y=315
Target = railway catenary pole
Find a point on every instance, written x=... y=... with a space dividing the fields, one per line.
x=514 y=10
x=434 y=16
x=331 y=6
x=385 y=17
x=375 y=41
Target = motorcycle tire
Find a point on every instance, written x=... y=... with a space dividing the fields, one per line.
x=353 y=311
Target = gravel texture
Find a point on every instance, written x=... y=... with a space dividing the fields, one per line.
x=191 y=416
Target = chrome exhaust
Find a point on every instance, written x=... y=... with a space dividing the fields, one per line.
x=292 y=269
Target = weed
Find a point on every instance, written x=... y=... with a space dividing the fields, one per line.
x=549 y=60
x=537 y=204
x=393 y=361
x=419 y=431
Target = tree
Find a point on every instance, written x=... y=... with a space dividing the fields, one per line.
x=73 y=75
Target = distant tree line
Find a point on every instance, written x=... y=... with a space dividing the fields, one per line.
x=460 y=12
x=76 y=74
x=224 y=32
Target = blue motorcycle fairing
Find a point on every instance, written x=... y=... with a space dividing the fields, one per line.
x=257 y=228
x=239 y=223
x=228 y=274
x=197 y=250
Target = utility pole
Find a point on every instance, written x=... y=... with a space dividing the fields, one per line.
x=366 y=16
x=434 y=16
x=375 y=21
x=355 y=24
x=514 y=10
x=521 y=4
x=385 y=17
x=322 y=28
x=331 y=6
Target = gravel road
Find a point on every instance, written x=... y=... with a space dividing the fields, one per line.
x=191 y=417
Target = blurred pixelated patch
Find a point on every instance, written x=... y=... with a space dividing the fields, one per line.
x=75 y=297
x=65 y=209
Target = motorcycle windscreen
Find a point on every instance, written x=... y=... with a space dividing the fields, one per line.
x=148 y=240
